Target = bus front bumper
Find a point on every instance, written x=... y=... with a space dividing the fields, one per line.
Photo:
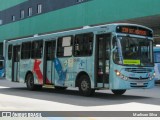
x=130 y=84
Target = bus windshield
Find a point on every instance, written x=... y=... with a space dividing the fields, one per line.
x=133 y=51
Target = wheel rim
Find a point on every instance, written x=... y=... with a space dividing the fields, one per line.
x=84 y=85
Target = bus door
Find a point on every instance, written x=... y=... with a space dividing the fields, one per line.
x=102 y=59
x=15 y=63
x=49 y=55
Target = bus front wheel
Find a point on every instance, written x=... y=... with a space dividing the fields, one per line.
x=118 y=92
x=85 y=86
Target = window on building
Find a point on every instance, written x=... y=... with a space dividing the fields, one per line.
x=1 y=22
x=22 y=14
x=39 y=8
x=79 y=1
x=9 y=52
x=30 y=11
x=13 y=18
x=37 y=49
x=65 y=45
x=83 y=44
x=26 y=50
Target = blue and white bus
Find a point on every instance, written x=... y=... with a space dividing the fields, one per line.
x=157 y=63
x=2 y=73
x=91 y=58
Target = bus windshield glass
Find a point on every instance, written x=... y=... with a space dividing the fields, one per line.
x=133 y=51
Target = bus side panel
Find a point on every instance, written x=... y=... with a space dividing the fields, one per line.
x=37 y=70
x=157 y=71
x=71 y=67
x=64 y=71
x=8 y=62
x=90 y=70
x=25 y=66
x=33 y=66
x=9 y=70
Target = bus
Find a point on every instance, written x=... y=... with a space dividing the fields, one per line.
x=90 y=58
x=157 y=63
x=2 y=73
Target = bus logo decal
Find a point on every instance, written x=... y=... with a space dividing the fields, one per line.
x=61 y=73
x=38 y=72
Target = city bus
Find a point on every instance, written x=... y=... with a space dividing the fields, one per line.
x=91 y=58
x=157 y=63
x=2 y=73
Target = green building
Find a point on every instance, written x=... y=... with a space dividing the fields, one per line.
x=22 y=18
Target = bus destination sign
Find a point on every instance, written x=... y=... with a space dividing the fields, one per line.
x=134 y=30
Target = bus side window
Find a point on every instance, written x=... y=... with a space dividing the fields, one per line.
x=9 y=52
x=64 y=46
x=37 y=49
x=108 y=47
x=26 y=50
x=50 y=50
x=115 y=53
x=83 y=44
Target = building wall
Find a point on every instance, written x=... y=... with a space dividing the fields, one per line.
x=7 y=4
x=76 y=15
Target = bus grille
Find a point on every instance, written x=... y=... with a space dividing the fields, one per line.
x=138 y=70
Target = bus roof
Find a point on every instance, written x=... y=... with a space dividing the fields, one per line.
x=111 y=27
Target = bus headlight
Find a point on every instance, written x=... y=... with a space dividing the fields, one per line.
x=121 y=75
x=154 y=74
x=117 y=73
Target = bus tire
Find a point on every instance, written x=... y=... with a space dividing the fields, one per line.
x=118 y=92
x=30 y=82
x=85 y=86
x=60 y=88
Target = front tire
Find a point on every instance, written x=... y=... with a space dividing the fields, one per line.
x=85 y=86
x=118 y=92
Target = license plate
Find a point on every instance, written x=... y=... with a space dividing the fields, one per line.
x=140 y=84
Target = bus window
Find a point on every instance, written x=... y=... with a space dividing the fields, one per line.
x=26 y=50
x=83 y=44
x=37 y=48
x=50 y=50
x=64 y=47
x=9 y=52
x=134 y=51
